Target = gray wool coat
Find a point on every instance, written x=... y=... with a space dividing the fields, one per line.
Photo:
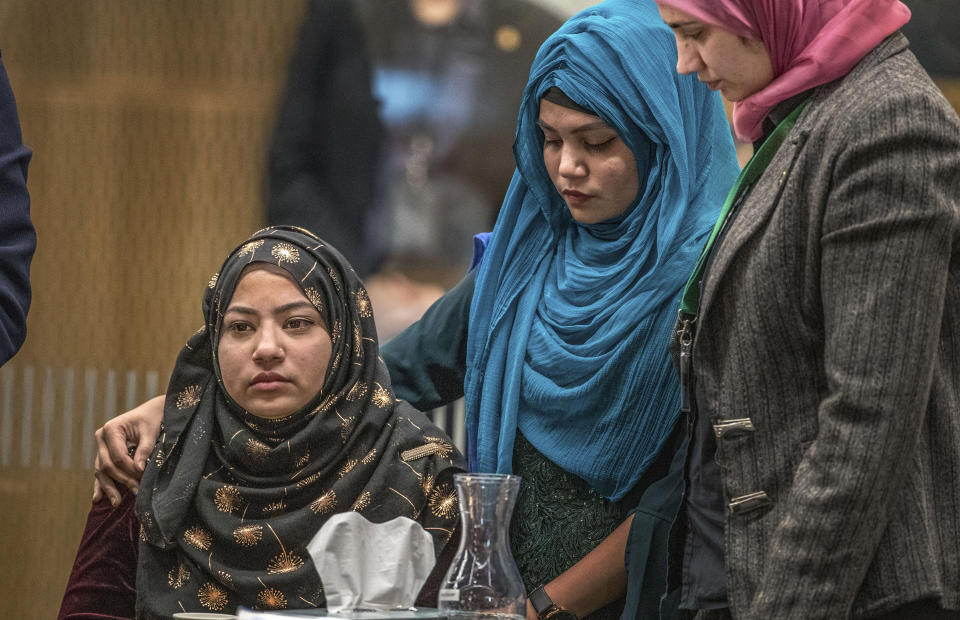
x=830 y=317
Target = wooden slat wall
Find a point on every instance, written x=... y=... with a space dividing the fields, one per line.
x=149 y=122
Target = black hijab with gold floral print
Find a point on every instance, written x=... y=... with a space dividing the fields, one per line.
x=229 y=501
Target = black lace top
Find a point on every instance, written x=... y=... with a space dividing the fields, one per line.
x=558 y=520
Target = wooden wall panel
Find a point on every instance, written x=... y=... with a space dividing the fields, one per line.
x=149 y=123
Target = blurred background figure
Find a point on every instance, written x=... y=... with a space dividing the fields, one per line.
x=393 y=135
x=325 y=155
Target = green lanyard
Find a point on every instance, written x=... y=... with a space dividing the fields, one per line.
x=690 y=302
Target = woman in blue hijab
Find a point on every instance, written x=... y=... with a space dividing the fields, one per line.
x=568 y=376
x=559 y=338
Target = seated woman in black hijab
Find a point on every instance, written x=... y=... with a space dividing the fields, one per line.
x=279 y=414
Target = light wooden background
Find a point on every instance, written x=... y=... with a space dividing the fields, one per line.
x=149 y=120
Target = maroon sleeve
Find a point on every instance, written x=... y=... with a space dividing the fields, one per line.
x=102 y=584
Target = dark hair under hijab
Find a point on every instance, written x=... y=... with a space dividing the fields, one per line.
x=557 y=96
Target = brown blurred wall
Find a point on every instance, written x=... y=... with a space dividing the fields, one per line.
x=149 y=123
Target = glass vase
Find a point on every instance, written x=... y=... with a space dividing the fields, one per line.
x=483 y=581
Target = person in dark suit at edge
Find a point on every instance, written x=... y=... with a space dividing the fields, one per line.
x=18 y=240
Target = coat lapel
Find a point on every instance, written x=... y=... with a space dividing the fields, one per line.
x=753 y=214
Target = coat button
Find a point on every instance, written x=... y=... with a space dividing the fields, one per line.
x=733 y=428
x=749 y=503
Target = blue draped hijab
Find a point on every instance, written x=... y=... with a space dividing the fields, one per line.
x=570 y=323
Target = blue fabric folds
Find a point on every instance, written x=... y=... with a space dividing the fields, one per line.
x=570 y=323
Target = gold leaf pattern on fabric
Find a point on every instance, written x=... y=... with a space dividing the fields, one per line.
x=198 y=537
x=212 y=596
x=358 y=391
x=412 y=505
x=357 y=342
x=248 y=535
x=346 y=427
x=369 y=457
x=160 y=456
x=310 y=593
x=213 y=280
x=225 y=578
x=314 y=297
x=443 y=501
x=308 y=480
x=271 y=598
x=305 y=232
x=428 y=480
x=325 y=503
x=250 y=248
x=227 y=499
x=362 y=303
x=334 y=278
x=303 y=460
x=178 y=576
x=202 y=329
x=143 y=533
x=257 y=450
x=382 y=397
x=362 y=502
x=146 y=522
x=324 y=404
x=285 y=253
x=448 y=534
x=444 y=449
x=273 y=508
x=336 y=332
x=188 y=397
x=348 y=466
x=286 y=562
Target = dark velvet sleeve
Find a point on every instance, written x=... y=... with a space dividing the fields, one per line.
x=17 y=237
x=427 y=361
x=102 y=584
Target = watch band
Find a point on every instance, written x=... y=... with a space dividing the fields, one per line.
x=540 y=601
x=546 y=608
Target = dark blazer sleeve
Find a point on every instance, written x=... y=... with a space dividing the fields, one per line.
x=427 y=361
x=17 y=237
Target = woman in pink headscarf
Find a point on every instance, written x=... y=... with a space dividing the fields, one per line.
x=819 y=336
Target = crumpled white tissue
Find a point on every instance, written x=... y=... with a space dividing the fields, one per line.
x=366 y=565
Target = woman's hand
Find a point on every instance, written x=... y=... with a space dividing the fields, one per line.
x=113 y=463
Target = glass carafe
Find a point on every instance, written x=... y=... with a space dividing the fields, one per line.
x=483 y=580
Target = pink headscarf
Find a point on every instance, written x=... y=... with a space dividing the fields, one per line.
x=810 y=42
